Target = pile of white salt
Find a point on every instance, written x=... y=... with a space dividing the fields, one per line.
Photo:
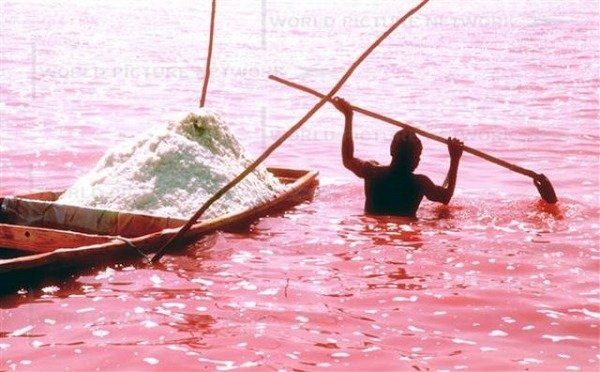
x=172 y=170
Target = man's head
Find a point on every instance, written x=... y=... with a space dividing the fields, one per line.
x=406 y=150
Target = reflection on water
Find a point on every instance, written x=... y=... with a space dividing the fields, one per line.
x=470 y=288
x=380 y=230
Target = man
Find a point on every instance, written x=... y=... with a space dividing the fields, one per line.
x=394 y=189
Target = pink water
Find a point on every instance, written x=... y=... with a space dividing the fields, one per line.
x=496 y=281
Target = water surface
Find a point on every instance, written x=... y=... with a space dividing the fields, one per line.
x=498 y=280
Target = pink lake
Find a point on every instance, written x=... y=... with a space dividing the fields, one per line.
x=496 y=281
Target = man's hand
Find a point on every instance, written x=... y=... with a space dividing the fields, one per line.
x=455 y=148
x=342 y=105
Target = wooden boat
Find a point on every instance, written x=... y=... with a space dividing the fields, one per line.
x=50 y=237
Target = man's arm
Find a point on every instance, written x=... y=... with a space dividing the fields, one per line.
x=357 y=166
x=444 y=193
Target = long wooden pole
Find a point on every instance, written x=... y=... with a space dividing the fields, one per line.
x=287 y=134
x=209 y=56
x=435 y=137
x=541 y=182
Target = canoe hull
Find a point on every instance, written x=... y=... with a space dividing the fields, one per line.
x=58 y=250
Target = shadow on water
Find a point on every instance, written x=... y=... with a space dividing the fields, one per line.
x=35 y=284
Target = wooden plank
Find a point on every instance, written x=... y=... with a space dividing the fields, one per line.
x=41 y=240
x=288 y=173
x=42 y=195
x=47 y=214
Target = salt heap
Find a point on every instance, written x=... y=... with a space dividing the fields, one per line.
x=171 y=171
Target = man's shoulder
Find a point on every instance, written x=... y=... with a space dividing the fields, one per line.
x=372 y=163
x=372 y=169
x=422 y=179
x=373 y=166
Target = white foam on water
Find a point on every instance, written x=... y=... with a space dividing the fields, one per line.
x=172 y=170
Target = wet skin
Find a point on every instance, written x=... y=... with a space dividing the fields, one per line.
x=395 y=189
